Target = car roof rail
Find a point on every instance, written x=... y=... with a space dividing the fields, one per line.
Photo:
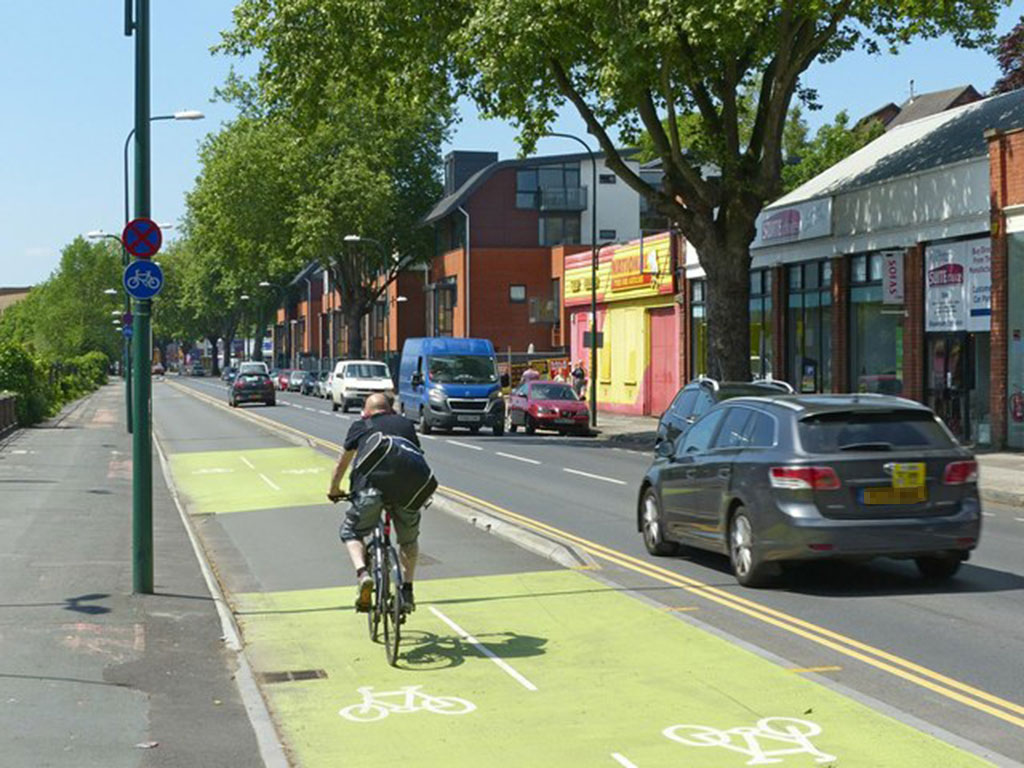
x=707 y=379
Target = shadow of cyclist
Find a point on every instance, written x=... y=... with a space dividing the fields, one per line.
x=425 y=651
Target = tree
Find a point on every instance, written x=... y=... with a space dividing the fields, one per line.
x=663 y=66
x=1009 y=53
x=833 y=142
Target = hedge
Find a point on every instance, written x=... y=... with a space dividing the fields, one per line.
x=43 y=387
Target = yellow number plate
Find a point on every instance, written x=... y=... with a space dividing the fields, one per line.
x=895 y=495
x=908 y=475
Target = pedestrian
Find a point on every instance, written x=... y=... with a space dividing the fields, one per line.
x=530 y=374
x=579 y=379
x=367 y=502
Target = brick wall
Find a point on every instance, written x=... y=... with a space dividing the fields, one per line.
x=913 y=323
x=494 y=316
x=840 y=324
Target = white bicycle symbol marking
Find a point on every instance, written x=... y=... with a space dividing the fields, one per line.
x=409 y=698
x=137 y=278
x=781 y=730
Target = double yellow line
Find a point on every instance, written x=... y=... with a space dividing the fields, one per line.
x=904 y=669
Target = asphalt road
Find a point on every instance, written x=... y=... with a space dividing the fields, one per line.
x=948 y=655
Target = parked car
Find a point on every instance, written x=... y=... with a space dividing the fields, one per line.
x=226 y=373
x=230 y=375
x=308 y=384
x=283 y=377
x=693 y=401
x=449 y=382
x=355 y=380
x=252 y=387
x=547 y=405
x=197 y=370
x=323 y=384
x=295 y=379
x=768 y=480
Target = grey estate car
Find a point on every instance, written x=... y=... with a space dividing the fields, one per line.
x=766 y=480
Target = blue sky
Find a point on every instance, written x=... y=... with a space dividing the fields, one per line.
x=68 y=105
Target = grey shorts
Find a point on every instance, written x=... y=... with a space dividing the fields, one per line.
x=364 y=512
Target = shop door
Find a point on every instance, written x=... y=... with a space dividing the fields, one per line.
x=949 y=380
x=662 y=379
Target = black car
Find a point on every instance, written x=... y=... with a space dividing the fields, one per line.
x=308 y=384
x=252 y=387
x=767 y=480
x=693 y=401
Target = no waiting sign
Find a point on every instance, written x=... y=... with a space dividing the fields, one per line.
x=142 y=238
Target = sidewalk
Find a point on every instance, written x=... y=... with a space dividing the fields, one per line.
x=1002 y=474
x=92 y=674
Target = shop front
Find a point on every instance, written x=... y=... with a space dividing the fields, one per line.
x=637 y=320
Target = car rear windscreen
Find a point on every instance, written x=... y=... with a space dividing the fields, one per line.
x=872 y=431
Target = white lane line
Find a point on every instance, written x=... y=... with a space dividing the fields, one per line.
x=622 y=760
x=270 y=482
x=517 y=458
x=427 y=437
x=594 y=477
x=988 y=514
x=464 y=635
x=247 y=462
x=1019 y=519
x=464 y=445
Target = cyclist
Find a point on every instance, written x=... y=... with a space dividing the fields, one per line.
x=368 y=503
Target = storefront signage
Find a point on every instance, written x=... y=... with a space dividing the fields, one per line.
x=801 y=221
x=628 y=271
x=958 y=288
x=892 y=277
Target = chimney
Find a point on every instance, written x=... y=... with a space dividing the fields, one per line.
x=459 y=166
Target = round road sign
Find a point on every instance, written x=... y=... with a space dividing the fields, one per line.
x=142 y=238
x=143 y=279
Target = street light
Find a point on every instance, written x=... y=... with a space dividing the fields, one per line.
x=387 y=323
x=594 y=248
x=281 y=292
x=245 y=332
x=126 y=348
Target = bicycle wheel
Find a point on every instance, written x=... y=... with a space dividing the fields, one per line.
x=373 y=615
x=392 y=607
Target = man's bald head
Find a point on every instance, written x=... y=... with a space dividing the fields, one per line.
x=377 y=403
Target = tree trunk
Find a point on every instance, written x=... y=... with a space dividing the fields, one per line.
x=354 y=326
x=727 y=266
x=213 y=358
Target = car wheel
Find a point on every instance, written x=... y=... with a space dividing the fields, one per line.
x=938 y=568
x=530 y=427
x=509 y=424
x=652 y=527
x=271 y=402
x=424 y=425
x=748 y=568
x=498 y=429
x=474 y=430
x=344 y=406
x=234 y=403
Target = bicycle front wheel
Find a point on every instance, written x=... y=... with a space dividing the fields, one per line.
x=392 y=608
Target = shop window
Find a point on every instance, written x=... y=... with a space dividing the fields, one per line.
x=809 y=326
x=698 y=329
x=517 y=294
x=876 y=331
x=760 y=323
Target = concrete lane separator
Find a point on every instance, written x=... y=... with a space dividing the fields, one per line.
x=516 y=458
x=267 y=739
x=594 y=477
x=502 y=664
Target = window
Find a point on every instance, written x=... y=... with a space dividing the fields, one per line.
x=526 y=188
x=733 y=431
x=698 y=329
x=876 y=331
x=831 y=432
x=606 y=178
x=760 y=323
x=760 y=431
x=444 y=307
x=606 y=234
x=517 y=293
x=809 y=326
x=559 y=230
x=699 y=437
x=703 y=402
x=683 y=405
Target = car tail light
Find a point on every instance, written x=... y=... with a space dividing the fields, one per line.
x=960 y=472
x=804 y=478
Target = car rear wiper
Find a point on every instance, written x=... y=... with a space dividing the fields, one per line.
x=879 y=446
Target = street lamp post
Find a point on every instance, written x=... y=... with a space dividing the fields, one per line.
x=281 y=303
x=387 y=323
x=377 y=243
x=245 y=343
x=594 y=249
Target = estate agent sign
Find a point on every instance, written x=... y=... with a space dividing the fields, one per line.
x=958 y=287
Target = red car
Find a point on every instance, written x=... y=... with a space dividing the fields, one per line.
x=283 y=376
x=547 y=405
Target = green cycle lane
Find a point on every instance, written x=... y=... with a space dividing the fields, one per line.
x=549 y=669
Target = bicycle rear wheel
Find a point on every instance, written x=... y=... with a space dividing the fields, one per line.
x=392 y=607
x=379 y=575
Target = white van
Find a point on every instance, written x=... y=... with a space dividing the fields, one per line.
x=253 y=366
x=355 y=380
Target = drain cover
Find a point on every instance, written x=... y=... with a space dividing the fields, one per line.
x=292 y=675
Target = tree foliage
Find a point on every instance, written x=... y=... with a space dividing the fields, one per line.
x=1009 y=53
x=832 y=142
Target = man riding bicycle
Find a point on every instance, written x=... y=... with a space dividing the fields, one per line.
x=367 y=502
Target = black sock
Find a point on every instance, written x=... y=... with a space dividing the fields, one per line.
x=360 y=573
x=407 y=586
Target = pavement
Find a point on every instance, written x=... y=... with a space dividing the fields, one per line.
x=1002 y=474
x=91 y=674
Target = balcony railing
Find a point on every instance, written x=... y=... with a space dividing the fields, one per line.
x=562 y=199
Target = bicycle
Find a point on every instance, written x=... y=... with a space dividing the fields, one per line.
x=384 y=567
x=408 y=699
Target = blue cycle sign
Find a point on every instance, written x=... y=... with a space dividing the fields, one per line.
x=143 y=279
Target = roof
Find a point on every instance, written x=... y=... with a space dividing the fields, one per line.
x=810 y=405
x=451 y=203
x=927 y=104
x=307 y=272
x=949 y=137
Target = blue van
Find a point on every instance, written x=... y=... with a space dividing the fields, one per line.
x=447 y=382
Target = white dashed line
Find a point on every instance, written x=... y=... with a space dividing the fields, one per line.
x=485 y=650
x=427 y=437
x=517 y=458
x=1019 y=519
x=247 y=462
x=464 y=445
x=594 y=477
x=988 y=514
x=270 y=482
x=622 y=760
